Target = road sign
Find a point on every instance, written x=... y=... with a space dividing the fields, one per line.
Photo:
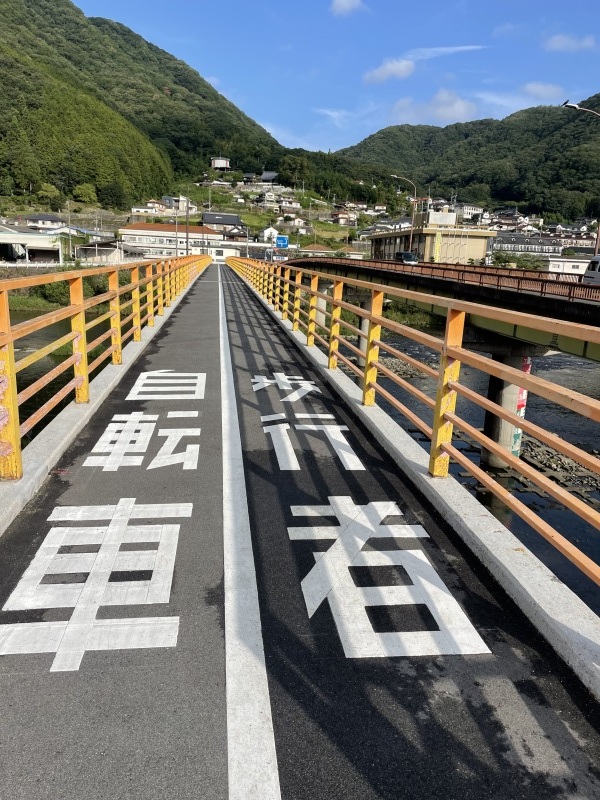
x=281 y=242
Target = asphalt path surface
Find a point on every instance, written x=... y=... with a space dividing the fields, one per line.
x=287 y=619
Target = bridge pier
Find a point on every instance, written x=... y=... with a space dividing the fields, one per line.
x=512 y=398
x=363 y=299
x=321 y=319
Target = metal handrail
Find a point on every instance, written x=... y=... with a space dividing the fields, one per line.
x=292 y=286
x=520 y=280
x=152 y=286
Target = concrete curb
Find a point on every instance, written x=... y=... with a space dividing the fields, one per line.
x=565 y=621
x=43 y=453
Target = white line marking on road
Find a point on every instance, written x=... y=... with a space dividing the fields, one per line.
x=183 y=414
x=272 y=417
x=284 y=451
x=252 y=759
x=314 y=416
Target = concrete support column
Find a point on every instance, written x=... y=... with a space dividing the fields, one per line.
x=512 y=398
x=362 y=299
x=366 y=305
x=321 y=318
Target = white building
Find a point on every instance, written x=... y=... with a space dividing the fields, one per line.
x=28 y=246
x=219 y=163
x=268 y=234
x=154 y=240
x=45 y=222
x=465 y=211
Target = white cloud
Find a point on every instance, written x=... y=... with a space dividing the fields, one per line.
x=506 y=29
x=403 y=67
x=342 y=7
x=213 y=80
x=343 y=118
x=566 y=43
x=339 y=116
x=444 y=107
x=426 y=53
x=543 y=91
x=391 y=68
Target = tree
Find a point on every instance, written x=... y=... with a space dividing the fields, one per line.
x=112 y=195
x=85 y=193
x=48 y=194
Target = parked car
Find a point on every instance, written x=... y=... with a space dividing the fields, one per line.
x=406 y=257
x=592 y=273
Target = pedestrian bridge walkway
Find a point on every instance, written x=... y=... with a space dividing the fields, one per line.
x=229 y=585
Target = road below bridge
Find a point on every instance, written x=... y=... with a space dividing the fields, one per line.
x=226 y=589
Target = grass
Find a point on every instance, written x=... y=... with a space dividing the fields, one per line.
x=411 y=316
x=22 y=302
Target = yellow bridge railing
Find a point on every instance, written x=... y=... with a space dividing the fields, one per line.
x=294 y=292
x=150 y=287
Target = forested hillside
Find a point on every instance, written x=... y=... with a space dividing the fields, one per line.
x=54 y=134
x=67 y=86
x=548 y=158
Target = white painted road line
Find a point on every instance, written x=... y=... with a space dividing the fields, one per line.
x=252 y=759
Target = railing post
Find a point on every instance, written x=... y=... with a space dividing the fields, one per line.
x=160 y=288
x=312 y=311
x=334 y=331
x=11 y=464
x=80 y=368
x=297 y=301
x=149 y=273
x=372 y=349
x=286 y=293
x=446 y=398
x=276 y=286
x=167 y=279
x=136 y=322
x=270 y=284
x=115 y=320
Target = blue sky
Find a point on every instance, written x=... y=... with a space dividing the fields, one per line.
x=324 y=74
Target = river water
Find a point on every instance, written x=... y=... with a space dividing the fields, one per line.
x=578 y=374
x=35 y=341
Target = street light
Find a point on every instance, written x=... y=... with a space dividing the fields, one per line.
x=412 y=221
x=566 y=104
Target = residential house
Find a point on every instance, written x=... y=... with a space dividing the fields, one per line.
x=45 y=222
x=221 y=222
x=345 y=218
x=220 y=163
x=268 y=234
x=179 y=205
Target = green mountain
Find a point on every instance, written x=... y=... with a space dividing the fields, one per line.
x=89 y=101
x=547 y=158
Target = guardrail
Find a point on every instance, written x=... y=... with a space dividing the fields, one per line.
x=146 y=296
x=294 y=292
x=544 y=286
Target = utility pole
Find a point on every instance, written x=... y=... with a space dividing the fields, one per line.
x=187 y=226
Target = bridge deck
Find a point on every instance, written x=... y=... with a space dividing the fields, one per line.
x=227 y=589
